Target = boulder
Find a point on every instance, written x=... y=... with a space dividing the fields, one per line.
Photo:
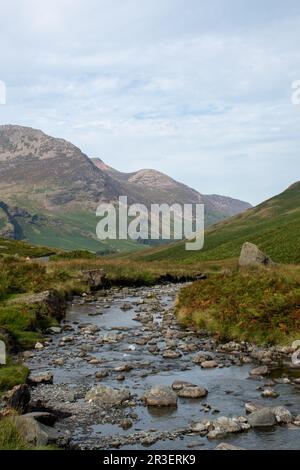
x=265 y=417
x=101 y=374
x=250 y=407
x=192 y=392
x=54 y=330
x=94 y=278
x=161 y=396
x=42 y=417
x=201 y=357
x=269 y=393
x=170 y=354
x=42 y=378
x=107 y=396
x=226 y=446
x=259 y=371
x=282 y=415
x=251 y=255
x=31 y=431
x=209 y=364
x=179 y=384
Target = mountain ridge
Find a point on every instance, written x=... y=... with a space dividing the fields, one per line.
x=51 y=191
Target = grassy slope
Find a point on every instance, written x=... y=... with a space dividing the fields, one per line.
x=259 y=305
x=273 y=225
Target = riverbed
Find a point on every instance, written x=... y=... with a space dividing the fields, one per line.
x=125 y=338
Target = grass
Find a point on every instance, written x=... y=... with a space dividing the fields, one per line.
x=11 y=375
x=23 y=249
x=258 y=305
x=10 y=439
x=273 y=225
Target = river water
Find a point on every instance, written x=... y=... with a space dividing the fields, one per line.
x=135 y=326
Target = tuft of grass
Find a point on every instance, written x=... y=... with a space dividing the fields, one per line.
x=258 y=305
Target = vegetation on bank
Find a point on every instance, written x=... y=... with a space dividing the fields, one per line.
x=260 y=305
x=11 y=375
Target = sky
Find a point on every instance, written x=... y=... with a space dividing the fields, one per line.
x=198 y=89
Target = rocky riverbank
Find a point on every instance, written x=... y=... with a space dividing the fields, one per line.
x=121 y=373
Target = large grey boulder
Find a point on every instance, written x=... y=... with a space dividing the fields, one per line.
x=251 y=255
x=31 y=431
x=265 y=417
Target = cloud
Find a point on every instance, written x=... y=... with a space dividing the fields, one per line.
x=201 y=91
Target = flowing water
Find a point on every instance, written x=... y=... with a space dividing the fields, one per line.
x=134 y=326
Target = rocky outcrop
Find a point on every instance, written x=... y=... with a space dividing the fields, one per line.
x=251 y=255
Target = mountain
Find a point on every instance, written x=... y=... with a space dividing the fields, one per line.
x=273 y=225
x=50 y=190
x=156 y=187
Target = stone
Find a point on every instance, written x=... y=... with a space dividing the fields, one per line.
x=251 y=255
x=161 y=396
x=282 y=415
x=107 y=396
x=209 y=364
x=251 y=407
x=31 y=431
x=202 y=427
x=54 y=330
x=259 y=371
x=126 y=306
x=201 y=357
x=101 y=374
x=179 y=384
x=18 y=398
x=59 y=361
x=226 y=446
x=192 y=392
x=42 y=417
x=126 y=423
x=228 y=425
x=265 y=417
x=123 y=367
x=269 y=393
x=39 y=346
x=42 y=378
x=170 y=354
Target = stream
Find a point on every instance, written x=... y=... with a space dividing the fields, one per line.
x=128 y=338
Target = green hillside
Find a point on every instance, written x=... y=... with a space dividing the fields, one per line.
x=274 y=226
